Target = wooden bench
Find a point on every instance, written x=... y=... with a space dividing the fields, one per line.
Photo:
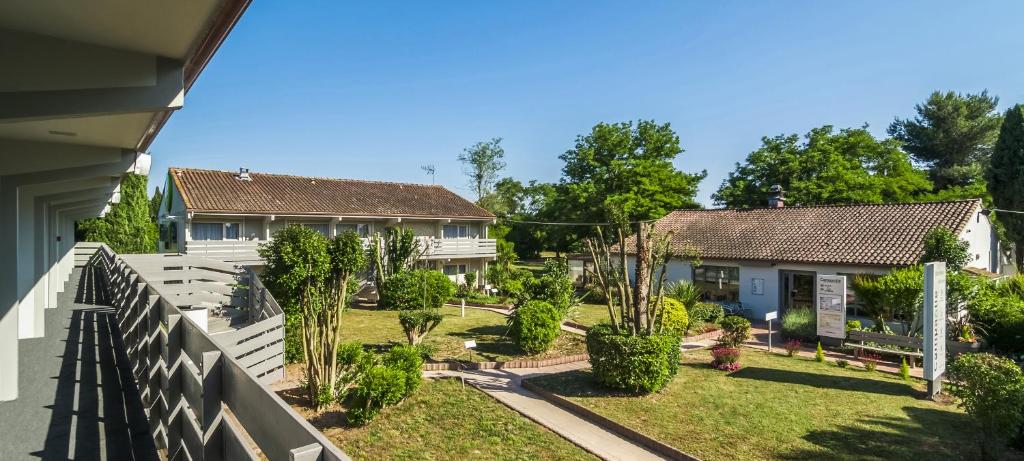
x=915 y=343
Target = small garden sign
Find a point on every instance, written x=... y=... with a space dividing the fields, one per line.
x=832 y=306
x=934 y=325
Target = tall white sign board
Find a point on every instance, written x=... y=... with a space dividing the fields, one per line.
x=832 y=306
x=934 y=324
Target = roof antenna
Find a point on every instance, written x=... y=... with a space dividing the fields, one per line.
x=429 y=169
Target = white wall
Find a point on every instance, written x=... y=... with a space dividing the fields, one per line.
x=978 y=232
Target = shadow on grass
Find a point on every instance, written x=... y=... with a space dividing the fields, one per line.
x=927 y=434
x=490 y=340
x=827 y=381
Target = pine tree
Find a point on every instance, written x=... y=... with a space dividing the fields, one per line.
x=1006 y=176
x=127 y=227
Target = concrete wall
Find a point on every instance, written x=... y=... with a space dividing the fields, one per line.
x=978 y=232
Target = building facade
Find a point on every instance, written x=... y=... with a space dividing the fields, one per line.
x=227 y=215
x=768 y=259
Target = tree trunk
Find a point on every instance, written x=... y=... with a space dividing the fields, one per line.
x=643 y=279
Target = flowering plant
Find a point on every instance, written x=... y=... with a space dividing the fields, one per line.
x=870 y=360
x=792 y=346
x=725 y=358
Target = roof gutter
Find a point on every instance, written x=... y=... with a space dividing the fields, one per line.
x=220 y=27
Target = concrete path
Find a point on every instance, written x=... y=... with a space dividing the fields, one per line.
x=505 y=386
x=77 y=396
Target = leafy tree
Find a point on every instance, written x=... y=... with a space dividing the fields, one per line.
x=154 y=204
x=1006 y=177
x=829 y=167
x=901 y=293
x=941 y=244
x=953 y=134
x=623 y=169
x=391 y=253
x=127 y=227
x=990 y=389
x=512 y=201
x=311 y=274
x=482 y=162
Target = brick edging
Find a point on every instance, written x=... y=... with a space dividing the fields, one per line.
x=650 y=443
x=578 y=326
x=456 y=366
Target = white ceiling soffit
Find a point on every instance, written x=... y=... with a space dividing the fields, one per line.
x=160 y=27
x=122 y=130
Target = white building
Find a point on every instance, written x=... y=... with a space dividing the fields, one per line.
x=768 y=258
x=226 y=215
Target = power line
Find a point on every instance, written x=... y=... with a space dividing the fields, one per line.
x=1006 y=211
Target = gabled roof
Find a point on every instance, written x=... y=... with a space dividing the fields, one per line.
x=882 y=235
x=223 y=192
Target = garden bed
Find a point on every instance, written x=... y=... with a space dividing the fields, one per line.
x=380 y=328
x=442 y=420
x=778 y=407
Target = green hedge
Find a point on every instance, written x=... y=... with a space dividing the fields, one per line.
x=674 y=318
x=411 y=289
x=800 y=323
x=535 y=326
x=640 y=364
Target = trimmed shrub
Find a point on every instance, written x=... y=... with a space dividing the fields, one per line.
x=853 y=325
x=735 y=330
x=707 y=313
x=632 y=363
x=904 y=370
x=990 y=389
x=842 y=363
x=819 y=354
x=726 y=358
x=417 y=323
x=416 y=289
x=674 y=318
x=410 y=362
x=534 y=326
x=800 y=324
x=379 y=386
x=556 y=287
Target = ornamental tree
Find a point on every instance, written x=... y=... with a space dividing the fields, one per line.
x=941 y=244
x=127 y=227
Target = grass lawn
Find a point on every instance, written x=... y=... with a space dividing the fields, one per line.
x=373 y=326
x=589 y=314
x=778 y=407
x=443 y=420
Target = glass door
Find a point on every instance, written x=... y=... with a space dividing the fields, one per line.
x=797 y=290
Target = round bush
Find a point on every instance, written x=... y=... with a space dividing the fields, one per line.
x=534 y=326
x=409 y=360
x=632 y=363
x=735 y=330
x=411 y=289
x=707 y=313
x=800 y=324
x=379 y=386
x=674 y=317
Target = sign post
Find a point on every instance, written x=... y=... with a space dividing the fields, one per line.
x=934 y=326
x=769 y=317
x=463 y=307
x=832 y=309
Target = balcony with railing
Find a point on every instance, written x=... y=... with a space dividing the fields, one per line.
x=247 y=251
x=143 y=366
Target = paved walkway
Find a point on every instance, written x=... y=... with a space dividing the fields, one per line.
x=505 y=386
x=77 y=397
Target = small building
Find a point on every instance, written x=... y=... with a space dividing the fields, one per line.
x=225 y=215
x=768 y=258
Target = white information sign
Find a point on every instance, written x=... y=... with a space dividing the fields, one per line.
x=832 y=306
x=470 y=344
x=934 y=320
x=771 y=316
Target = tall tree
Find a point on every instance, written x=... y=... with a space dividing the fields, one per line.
x=625 y=170
x=482 y=163
x=849 y=166
x=1006 y=177
x=154 y=204
x=953 y=135
x=127 y=227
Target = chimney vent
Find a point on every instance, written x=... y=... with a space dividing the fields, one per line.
x=243 y=174
x=777 y=199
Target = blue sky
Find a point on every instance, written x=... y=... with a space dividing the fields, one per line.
x=374 y=90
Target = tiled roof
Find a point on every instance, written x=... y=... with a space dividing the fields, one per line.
x=885 y=235
x=222 y=191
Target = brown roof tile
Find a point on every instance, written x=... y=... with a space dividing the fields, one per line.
x=221 y=191
x=886 y=235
